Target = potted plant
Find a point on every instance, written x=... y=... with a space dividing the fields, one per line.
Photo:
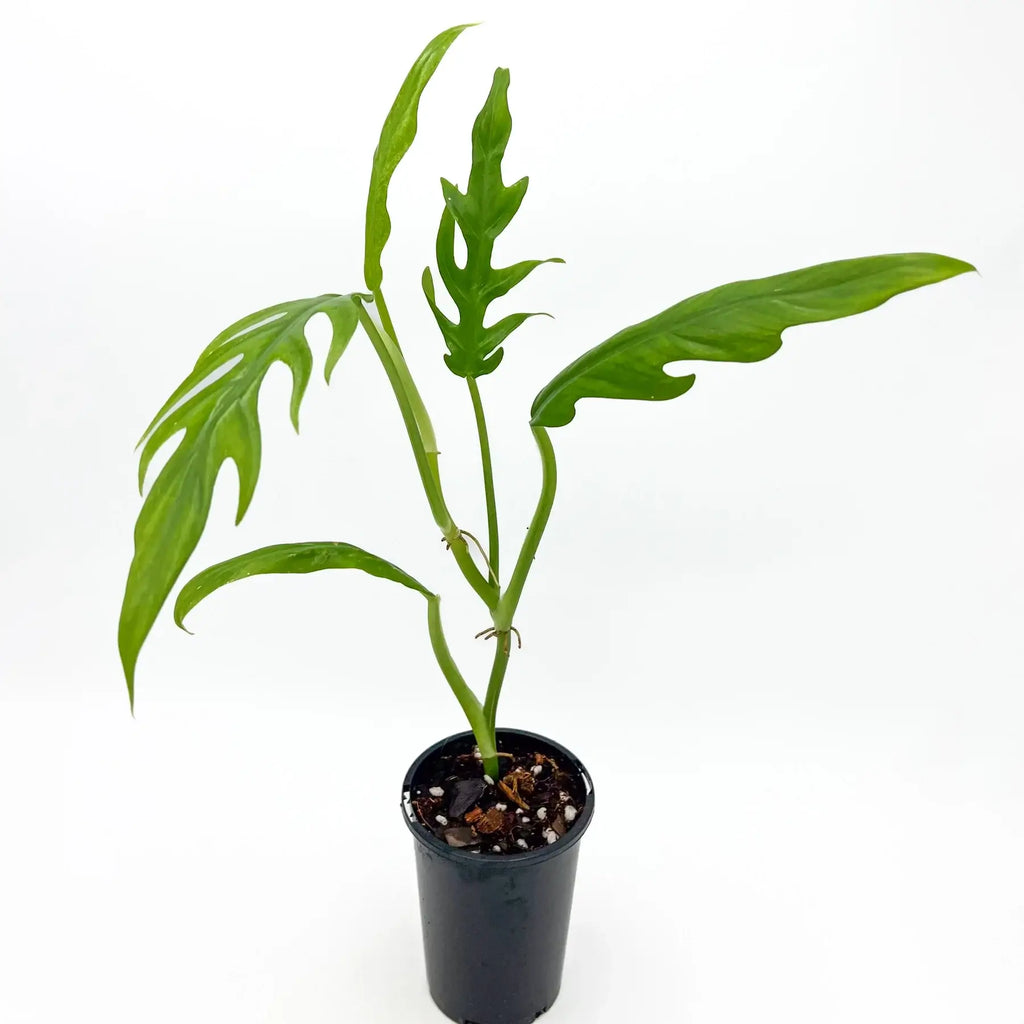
x=497 y=814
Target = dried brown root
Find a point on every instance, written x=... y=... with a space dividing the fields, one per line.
x=512 y=795
x=491 y=634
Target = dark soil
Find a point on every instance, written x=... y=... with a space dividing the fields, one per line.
x=531 y=806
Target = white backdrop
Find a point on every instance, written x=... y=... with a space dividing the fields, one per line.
x=778 y=618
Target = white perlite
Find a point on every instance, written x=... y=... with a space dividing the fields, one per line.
x=537 y=769
x=496 y=849
x=501 y=807
x=542 y=813
x=488 y=780
x=436 y=791
x=569 y=813
x=522 y=842
x=550 y=835
x=441 y=819
x=525 y=819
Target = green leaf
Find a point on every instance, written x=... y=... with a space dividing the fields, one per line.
x=740 y=322
x=482 y=213
x=344 y=320
x=311 y=556
x=395 y=139
x=216 y=407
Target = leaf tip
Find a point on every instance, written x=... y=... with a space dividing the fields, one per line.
x=954 y=266
x=128 y=664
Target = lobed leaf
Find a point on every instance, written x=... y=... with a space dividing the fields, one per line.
x=395 y=139
x=216 y=408
x=740 y=322
x=310 y=556
x=481 y=214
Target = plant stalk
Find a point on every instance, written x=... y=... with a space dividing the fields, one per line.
x=468 y=700
x=497 y=677
x=506 y=609
x=488 y=473
x=424 y=447
x=385 y=315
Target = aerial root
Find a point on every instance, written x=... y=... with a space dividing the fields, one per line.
x=493 y=634
x=463 y=534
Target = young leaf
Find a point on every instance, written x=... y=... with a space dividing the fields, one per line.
x=395 y=139
x=311 y=556
x=219 y=419
x=740 y=322
x=482 y=213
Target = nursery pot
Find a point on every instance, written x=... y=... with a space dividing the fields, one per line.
x=495 y=926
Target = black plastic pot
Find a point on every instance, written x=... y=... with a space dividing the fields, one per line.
x=495 y=927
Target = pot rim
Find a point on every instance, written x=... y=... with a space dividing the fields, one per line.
x=428 y=839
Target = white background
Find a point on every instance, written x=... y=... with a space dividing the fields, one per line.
x=779 y=618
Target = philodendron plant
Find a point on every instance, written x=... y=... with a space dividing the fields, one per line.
x=216 y=404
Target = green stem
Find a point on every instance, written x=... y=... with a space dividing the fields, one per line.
x=385 y=316
x=468 y=700
x=485 y=588
x=506 y=609
x=424 y=447
x=418 y=427
x=498 y=668
x=485 y=458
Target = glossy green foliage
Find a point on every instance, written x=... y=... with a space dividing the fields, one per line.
x=213 y=415
x=481 y=213
x=395 y=139
x=311 y=556
x=740 y=322
x=216 y=407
